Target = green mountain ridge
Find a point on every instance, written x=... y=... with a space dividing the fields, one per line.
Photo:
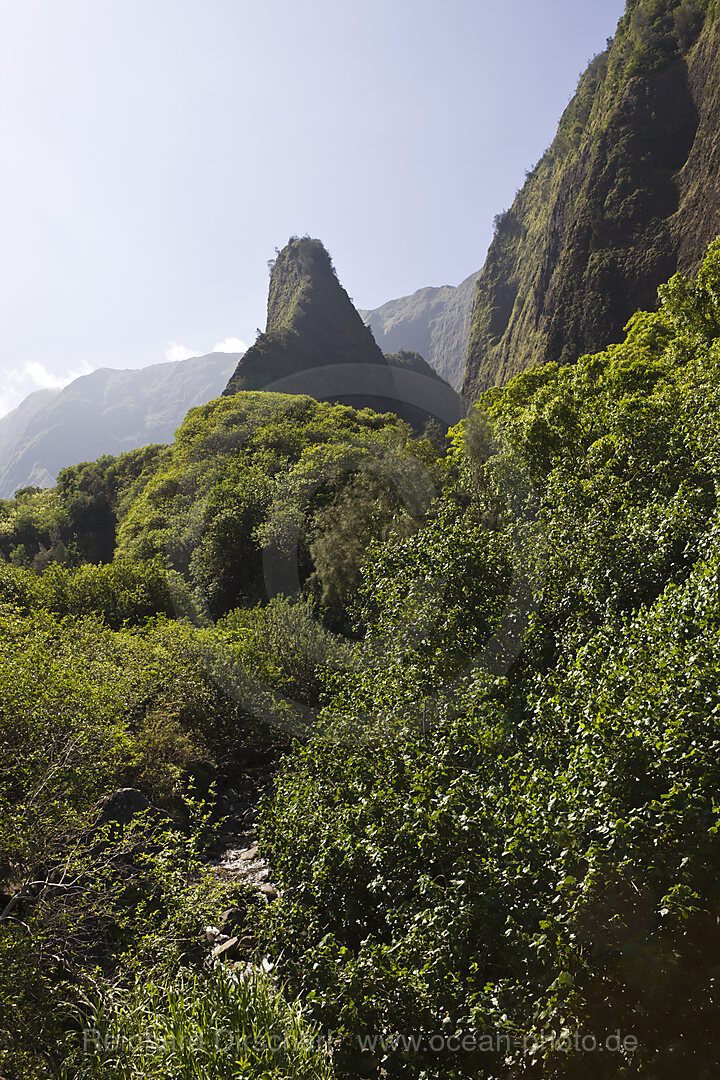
x=625 y=196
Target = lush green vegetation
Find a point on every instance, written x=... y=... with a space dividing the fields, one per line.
x=536 y=851
x=495 y=834
x=238 y=472
x=223 y=1027
x=75 y=522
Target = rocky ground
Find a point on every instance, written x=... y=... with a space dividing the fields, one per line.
x=236 y=857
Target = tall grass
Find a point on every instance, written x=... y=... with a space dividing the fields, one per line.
x=222 y=1025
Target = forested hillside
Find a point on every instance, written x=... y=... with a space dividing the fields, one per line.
x=476 y=679
x=106 y=412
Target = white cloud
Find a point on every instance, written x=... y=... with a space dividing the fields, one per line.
x=45 y=379
x=230 y=344
x=175 y=352
x=41 y=378
x=9 y=399
x=33 y=376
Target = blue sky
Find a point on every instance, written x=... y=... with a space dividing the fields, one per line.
x=157 y=151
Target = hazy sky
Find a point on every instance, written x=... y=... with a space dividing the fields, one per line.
x=156 y=151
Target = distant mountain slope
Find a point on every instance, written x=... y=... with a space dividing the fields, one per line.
x=106 y=412
x=434 y=322
x=405 y=361
x=626 y=195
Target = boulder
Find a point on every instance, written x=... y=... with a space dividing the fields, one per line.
x=226 y=950
x=121 y=806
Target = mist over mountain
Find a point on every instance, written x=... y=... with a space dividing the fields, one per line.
x=626 y=195
x=106 y=412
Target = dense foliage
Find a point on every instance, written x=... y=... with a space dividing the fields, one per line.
x=75 y=522
x=495 y=837
x=224 y=1026
x=86 y=710
x=245 y=484
x=536 y=852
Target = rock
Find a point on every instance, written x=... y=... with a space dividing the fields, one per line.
x=231 y=918
x=121 y=806
x=227 y=950
x=202 y=773
x=367 y=1065
x=269 y=891
x=117 y=810
x=249 y=853
x=576 y=255
x=313 y=332
x=215 y=936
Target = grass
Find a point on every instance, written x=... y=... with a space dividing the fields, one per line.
x=222 y=1025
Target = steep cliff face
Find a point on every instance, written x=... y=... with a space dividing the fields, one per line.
x=627 y=194
x=316 y=343
x=434 y=322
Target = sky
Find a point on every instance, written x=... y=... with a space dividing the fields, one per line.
x=156 y=152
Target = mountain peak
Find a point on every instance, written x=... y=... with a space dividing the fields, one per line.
x=316 y=343
x=302 y=275
x=311 y=323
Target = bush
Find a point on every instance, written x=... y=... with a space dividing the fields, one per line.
x=75 y=521
x=243 y=471
x=688 y=19
x=126 y=902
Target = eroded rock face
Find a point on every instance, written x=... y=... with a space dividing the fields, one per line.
x=628 y=193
